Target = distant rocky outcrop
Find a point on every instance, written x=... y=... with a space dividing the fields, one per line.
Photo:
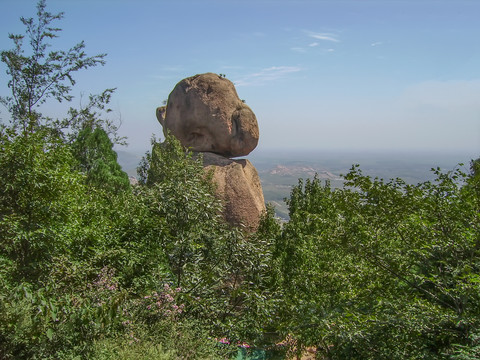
x=205 y=113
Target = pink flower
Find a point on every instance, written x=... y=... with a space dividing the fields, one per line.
x=224 y=341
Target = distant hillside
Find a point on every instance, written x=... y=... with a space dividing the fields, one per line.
x=280 y=170
x=302 y=171
x=277 y=181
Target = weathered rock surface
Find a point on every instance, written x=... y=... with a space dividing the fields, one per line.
x=239 y=187
x=205 y=113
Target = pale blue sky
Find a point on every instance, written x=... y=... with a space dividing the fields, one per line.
x=324 y=74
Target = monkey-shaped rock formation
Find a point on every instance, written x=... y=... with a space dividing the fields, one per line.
x=206 y=115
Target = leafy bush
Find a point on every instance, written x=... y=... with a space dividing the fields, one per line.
x=81 y=250
x=382 y=269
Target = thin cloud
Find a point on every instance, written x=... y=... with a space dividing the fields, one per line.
x=323 y=36
x=377 y=43
x=298 y=49
x=266 y=75
x=314 y=44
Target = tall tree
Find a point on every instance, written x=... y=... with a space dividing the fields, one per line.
x=38 y=192
x=97 y=159
x=36 y=74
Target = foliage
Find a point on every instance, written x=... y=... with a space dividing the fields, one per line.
x=94 y=115
x=80 y=251
x=183 y=199
x=220 y=270
x=382 y=269
x=83 y=267
x=475 y=167
x=94 y=152
x=37 y=76
x=38 y=192
x=475 y=176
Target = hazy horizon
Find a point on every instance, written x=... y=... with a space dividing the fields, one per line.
x=399 y=163
x=262 y=151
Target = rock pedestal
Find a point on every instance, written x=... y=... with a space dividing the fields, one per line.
x=206 y=115
x=239 y=188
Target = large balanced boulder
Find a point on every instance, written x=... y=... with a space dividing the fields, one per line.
x=205 y=113
x=239 y=188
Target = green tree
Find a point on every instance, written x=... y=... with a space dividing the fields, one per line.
x=78 y=264
x=223 y=273
x=475 y=167
x=94 y=151
x=475 y=176
x=382 y=270
x=39 y=75
x=40 y=221
x=186 y=202
x=38 y=189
